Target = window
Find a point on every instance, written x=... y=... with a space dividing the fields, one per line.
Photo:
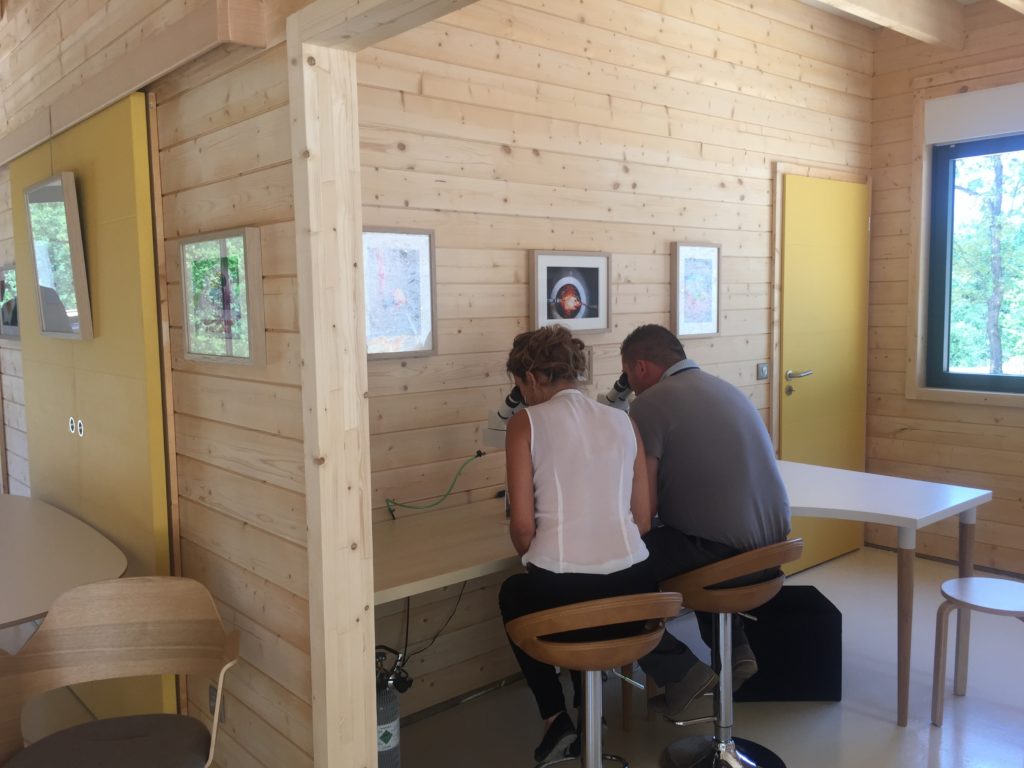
x=222 y=292
x=976 y=266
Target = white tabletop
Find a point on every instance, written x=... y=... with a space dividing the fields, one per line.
x=43 y=553
x=840 y=493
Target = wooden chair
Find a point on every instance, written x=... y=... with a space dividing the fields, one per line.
x=533 y=633
x=118 y=628
x=1002 y=597
x=702 y=590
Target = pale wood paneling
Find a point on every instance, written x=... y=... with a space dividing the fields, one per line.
x=607 y=151
x=972 y=444
x=14 y=440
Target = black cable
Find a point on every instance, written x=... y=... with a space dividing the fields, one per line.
x=443 y=626
x=408 y=621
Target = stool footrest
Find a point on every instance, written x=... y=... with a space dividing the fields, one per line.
x=705 y=752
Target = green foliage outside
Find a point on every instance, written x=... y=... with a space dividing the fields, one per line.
x=50 y=227
x=216 y=300
x=987 y=282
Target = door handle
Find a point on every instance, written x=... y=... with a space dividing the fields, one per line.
x=790 y=375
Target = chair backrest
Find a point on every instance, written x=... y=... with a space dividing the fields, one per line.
x=698 y=586
x=118 y=628
x=530 y=632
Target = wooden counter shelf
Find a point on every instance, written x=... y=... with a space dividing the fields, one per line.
x=431 y=550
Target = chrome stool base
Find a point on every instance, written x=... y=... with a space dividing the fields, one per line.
x=704 y=752
x=578 y=759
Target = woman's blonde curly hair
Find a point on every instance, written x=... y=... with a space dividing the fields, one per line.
x=551 y=351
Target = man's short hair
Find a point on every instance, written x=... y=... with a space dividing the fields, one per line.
x=654 y=343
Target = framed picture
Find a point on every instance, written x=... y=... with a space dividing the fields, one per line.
x=399 y=288
x=570 y=288
x=9 y=302
x=222 y=291
x=55 y=232
x=695 y=289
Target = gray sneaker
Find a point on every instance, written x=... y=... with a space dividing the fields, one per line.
x=678 y=696
x=744 y=666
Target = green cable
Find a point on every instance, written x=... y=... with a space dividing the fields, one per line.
x=391 y=503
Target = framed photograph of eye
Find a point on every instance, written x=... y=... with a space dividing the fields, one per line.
x=400 y=292
x=570 y=288
x=695 y=289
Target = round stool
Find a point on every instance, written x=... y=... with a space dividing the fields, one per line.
x=538 y=635
x=708 y=589
x=1002 y=597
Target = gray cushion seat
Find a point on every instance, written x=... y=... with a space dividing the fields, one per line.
x=139 y=741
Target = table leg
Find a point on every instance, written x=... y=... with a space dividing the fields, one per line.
x=904 y=618
x=968 y=519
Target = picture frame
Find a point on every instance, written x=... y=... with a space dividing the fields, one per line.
x=58 y=258
x=400 y=292
x=695 y=289
x=222 y=297
x=571 y=288
x=9 y=302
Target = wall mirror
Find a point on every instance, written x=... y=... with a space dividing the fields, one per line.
x=8 y=302
x=55 y=231
x=222 y=288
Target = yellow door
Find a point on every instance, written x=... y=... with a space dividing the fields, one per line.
x=823 y=396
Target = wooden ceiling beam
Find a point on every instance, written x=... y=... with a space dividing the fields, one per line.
x=938 y=22
x=1017 y=5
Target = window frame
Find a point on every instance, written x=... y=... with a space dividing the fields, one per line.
x=939 y=264
x=254 y=296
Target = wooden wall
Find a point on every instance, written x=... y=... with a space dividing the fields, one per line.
x=223 y=138
x=503 y=127
x=970 y=444
x=12 y=385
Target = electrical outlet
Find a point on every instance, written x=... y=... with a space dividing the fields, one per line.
x=762 y=371
x=213 y=705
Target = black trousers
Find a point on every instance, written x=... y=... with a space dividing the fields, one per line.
x=538 y=590
x=672 y=553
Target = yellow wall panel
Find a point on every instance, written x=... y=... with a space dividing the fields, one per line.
x=114 y=476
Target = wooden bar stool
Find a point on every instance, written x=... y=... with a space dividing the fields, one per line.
x=537 y=634
x=1002 y=597
x=701 y=593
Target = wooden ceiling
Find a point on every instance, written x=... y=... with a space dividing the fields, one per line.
x=938 y=22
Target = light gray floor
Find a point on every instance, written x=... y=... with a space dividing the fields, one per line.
x=983 y=729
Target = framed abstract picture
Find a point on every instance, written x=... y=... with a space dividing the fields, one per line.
x=695 y=289
x=398 y=282
x=570 y=288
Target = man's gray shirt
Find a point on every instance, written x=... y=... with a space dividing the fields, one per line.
x=717 y=474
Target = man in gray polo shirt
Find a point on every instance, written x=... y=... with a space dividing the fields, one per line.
x=715 y=487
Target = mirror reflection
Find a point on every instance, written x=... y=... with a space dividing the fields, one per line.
x=59 y=259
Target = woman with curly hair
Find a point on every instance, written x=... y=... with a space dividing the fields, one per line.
x=579 y=499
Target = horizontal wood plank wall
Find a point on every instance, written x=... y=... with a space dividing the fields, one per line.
x=510 y=126
x=238 y=429
x=976 y=445
x=12 y=383
x=503 y=127
x=50 y=47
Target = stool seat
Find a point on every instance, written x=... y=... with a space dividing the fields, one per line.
x=713 y=589
x=639 y=621
x=999 y=596
x=1002 y=597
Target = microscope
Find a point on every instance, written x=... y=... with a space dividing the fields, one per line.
x=497 y=422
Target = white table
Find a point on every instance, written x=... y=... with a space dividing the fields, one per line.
x=907 y=504
x=424 y=552
x=43 y=553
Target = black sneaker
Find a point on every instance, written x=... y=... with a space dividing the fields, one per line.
x=559 y=736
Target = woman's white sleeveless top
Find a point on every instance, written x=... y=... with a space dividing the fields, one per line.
x=583 y=454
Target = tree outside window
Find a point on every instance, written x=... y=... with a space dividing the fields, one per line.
x=976 y=266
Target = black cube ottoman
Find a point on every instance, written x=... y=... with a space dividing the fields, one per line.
x=798 y=641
